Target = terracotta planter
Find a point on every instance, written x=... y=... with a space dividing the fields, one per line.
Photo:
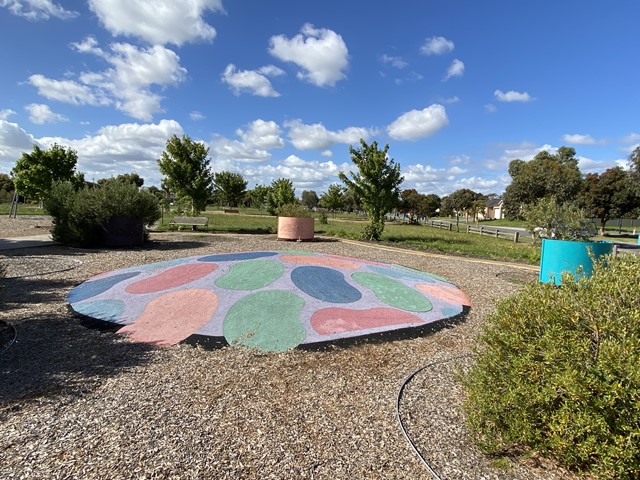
x=295 y=228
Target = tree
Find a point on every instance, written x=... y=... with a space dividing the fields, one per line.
x=352 y=201
x=310 y=199
x=432 y=203
x=418 y=205
x=634 y=168
x=333 y=198
x=229 y=188
x=546 y=175
x=35 y=172
x=608 y=195
x=186 y=168
x=377 y=183
x=258 y=196
x=462 y=201
x=6 y=187
x=281 y=193
x=132 y=178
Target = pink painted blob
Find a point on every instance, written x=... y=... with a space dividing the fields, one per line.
x=448 y=293
x=328 y=321
x=321 y=261
x=172 y=277
x=172 y=317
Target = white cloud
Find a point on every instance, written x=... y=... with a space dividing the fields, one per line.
x=125 y=85
x=456 y=69
x=317 y=137
x=327 y=153
x=37 y=9
x=13 y=141
x=68 y=91
x=437 y=46
x=229 y=151
x=252 y=81
x=632 y=138
x=490 y=107
x=6 y=113
x=320 y=53
x=41 y=114
x=262 y=134
x=418 y=123
x=512 y=96
x=579 y=139
x=158 y=22
x=450 y=100
x=410 y=77
x=396 y=62
x=197 y=116
x=123 y=148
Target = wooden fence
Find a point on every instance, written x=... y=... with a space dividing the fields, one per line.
x=513 y=235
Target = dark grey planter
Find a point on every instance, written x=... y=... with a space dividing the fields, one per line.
x=122 y=231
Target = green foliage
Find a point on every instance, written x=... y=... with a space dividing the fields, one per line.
x=461 y=201
x=280 y=193
x=185 y=165
x=546 y=175
x=608 y=195
x=333 y=199
x=78 y=214
x=258 y=196
x=558 y=372
x=35 y=172
x=418 y=205
x=229 y=188
x=132 y=178
x=309 y=199
x=292 y=210
x=549 y=219
x=323 y=220
x=377 y=184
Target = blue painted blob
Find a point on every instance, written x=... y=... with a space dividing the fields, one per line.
x=402 y=274
x=96 y=287
x=449 y=312
x=230 y=257
x=109 y=310
x=324 y=284
x=167 y=263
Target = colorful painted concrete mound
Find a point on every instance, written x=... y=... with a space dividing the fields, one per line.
x=272 y=301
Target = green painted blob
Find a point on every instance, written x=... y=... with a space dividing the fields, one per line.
x=268 y=321
x=393 y=293
x=250 y=275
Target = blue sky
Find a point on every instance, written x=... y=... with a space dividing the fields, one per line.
x=281 y=88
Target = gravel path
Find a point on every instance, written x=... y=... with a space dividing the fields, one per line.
x=79 y=403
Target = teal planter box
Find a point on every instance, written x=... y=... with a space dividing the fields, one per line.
x=559 y=256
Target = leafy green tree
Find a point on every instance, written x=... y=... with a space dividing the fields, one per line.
x=185 y=166
x=132 y=178
x=462 y=201
x=258 y=196
x=546 y=175
x=333 y=199
x=229 y=188
x=377 y=183
x=281 y=193
x=608 y=195
x=35 y=172
x=309 y=199
x=417 y=205
x=352 y=201
x=634 y=168
x=6 y=187
x=431 y=205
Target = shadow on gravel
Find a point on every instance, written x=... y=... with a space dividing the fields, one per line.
x=54 y=355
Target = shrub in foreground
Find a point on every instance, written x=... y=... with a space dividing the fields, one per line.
x=558 y=372
x=79 y=214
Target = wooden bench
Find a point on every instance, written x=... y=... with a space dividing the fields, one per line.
x=193 y=222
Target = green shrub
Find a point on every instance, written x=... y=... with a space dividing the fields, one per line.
x=549 y=219
x=78 y=214
x=558 y=372
x=324 y=220
x=292 y=210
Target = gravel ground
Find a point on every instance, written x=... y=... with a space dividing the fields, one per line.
x=23 y=226
x=80 y=403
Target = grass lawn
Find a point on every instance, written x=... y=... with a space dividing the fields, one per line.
x=419 y=237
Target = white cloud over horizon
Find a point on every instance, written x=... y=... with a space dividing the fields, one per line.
x=417 y=124
x=579 y=139
x=40 y=114
x=317 y=137
x=436 y=46
x=512 y=96
x=252 y=81
x=35 y=10
x=321 y=54
x=158 y=22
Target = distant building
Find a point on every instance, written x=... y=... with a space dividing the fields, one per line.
x=494 y=209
